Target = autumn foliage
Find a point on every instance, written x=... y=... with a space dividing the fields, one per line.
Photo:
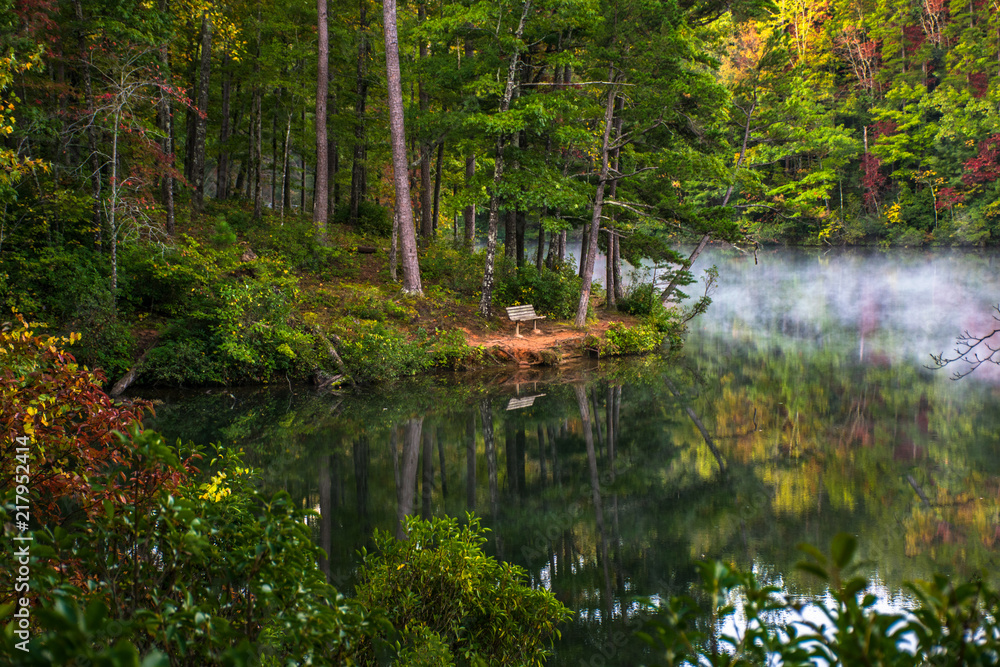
x=79 y=458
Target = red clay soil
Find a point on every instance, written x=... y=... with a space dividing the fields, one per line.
x=550 y=343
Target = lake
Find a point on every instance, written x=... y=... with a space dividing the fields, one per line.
x=801 y=406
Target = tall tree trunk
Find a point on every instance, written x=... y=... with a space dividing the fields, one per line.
x=470 y=211
x=285 y=200
x=470 y=172
x=617 y=262
x=322 y=90
x=540 y=250
x=302 y=189
x=613 y=289
x=427 y=487
x=426 y=221
x=609 y=273
x=470 y=463
x=95 y=161
x=360 y=102
x=552 y=257
x=167 y=143
x=393 y=248
x=113 y=208
x=222 y=174
x=519 y=231
x=241 y=177
x=437 y=186
x=407 y=488
x=510 y=234
x=411 y=269
x=255 y=127
x=201 y=120
x=274 y=150
x=486 y=296
x=595 y=221
x=235 y=187
x=256 y=158
x=333 y=156
x=192 y=109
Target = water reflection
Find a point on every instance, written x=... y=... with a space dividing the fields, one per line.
x=797 y=411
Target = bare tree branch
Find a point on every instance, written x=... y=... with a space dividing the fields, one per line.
x=973 y=350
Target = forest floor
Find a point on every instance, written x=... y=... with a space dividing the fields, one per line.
x=551 y=342
x=554 y=341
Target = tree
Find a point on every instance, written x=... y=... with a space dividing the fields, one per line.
x=128 y=93
x=201 y=118
x=486 y=297
x=320 y=208
x=404 y=209
x=974 y=350
x=595 y=222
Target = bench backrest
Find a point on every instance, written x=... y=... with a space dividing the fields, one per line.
x=525 y=312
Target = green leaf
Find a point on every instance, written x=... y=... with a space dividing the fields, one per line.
x=814 y=569
x=843 y=548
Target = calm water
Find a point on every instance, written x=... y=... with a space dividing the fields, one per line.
x=800 y=407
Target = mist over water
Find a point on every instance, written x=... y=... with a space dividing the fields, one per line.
x=885 y=306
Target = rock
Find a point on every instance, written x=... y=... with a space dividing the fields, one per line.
x=248 y=255
x=551 y=356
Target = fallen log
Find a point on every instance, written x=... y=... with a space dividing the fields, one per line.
x=332 y=351
x=129 y=377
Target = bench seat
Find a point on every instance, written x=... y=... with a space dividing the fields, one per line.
x=523 y=313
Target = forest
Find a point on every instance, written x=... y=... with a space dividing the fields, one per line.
x=211 y=134
x=214 y=193
x=129 y=128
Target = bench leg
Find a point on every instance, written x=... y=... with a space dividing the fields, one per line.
x=517 y=329
x=534 y=325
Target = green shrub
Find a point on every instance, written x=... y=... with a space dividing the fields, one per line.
x=292 y=242
x=448 y=349
x=555 y=292
x=439 y=582
x=106 y=341
x=211 y=574
x=369 y=303
x=453 y=269
x=908 y=237
x=621 y=339
x=639 y=298
x=962 y=227
x=224 y=234
x=253 y=329
x=373 y=351
x=180 y=359
x=239 y=219
x=235 y=320
x=373 y=220
x=956 y=623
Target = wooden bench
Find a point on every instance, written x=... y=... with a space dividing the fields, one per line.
x=524 y=313
x=522 y=402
